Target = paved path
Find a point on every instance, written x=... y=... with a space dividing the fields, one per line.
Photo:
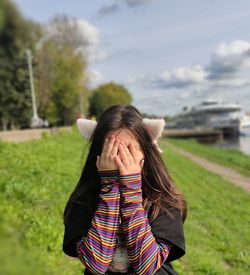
x=225 y=172
x=28 y=134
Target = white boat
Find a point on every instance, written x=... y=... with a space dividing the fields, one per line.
x=215 y=114
x=245 y=120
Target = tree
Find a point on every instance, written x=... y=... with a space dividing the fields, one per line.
x=61 y=82
x=107 y=95
x=16 y=34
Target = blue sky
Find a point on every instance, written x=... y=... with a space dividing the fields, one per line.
x=168 y=53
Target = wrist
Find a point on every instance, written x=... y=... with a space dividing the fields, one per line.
x=131 y=180
x=130 y=177
x=108 y=176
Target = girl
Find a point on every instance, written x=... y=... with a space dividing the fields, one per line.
x=125 y=216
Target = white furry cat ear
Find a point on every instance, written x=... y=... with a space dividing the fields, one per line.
x=155 y=129
x=86 y=127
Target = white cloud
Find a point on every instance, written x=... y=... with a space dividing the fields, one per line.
x=83 y=35
x=179 y=77
x=91 y=35
x=89 y=32
x=229 y=58
x=135 y=79
x=227 y=62
x=95 y=77
x=185 y=95
x=230 y=83
x=237 y=47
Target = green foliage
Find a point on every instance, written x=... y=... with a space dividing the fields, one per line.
x=61 y=74
x=38 y=176
x=58 y=68
x=15 y=35
x=2 y=15
x=217 y=212
x=107 y=95
x=59 y=100
x=35 y=184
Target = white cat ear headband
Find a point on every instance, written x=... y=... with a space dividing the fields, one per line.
x=154 y=127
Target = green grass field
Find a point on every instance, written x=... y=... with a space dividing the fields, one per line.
x=38 y=176
x=225 y=156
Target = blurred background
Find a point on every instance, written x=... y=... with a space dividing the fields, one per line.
x=185 y=61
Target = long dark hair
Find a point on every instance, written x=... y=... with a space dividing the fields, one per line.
x=158 y=188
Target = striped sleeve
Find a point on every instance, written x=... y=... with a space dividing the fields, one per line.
x=96 y=250
x=146 y=253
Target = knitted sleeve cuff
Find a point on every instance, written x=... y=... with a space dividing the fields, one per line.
x=108 y=176
x=132 y=180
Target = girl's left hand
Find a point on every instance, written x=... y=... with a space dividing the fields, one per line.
x=129 y=159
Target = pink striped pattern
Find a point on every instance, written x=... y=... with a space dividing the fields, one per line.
x=96 y=250
x=146 y=253
x=121 y=196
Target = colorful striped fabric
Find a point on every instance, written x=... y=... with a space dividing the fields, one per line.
x=146 y=254
x=97 y=249
x=121 y=196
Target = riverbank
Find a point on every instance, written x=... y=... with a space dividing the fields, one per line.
x=226 y=173
x=241 y=142
x=232 y=158
x=38 y=176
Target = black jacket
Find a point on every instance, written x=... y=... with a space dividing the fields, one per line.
x=164 y=227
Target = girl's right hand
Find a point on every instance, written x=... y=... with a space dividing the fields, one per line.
x=107 y=159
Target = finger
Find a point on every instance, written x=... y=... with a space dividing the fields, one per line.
x=114 y=150
x=104 y=148
x=110 y=146
x=129 y=156
x=119 y=163
x=133 y=151
x=123 y=154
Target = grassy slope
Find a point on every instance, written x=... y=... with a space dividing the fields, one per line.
x=228 y=157
x=38 y=176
